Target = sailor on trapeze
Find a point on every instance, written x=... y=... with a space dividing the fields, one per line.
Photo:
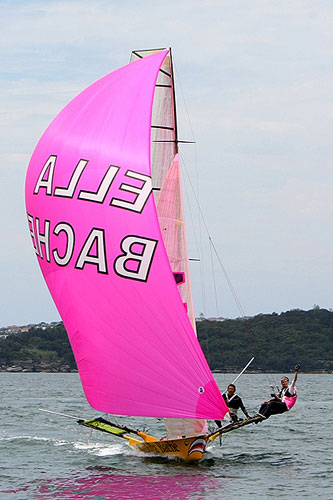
x=282 y=402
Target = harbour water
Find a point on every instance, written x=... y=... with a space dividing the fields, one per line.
x=46 y=456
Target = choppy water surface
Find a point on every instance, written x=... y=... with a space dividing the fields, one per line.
x=45 y=456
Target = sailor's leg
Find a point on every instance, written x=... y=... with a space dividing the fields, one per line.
x=264 y=410
x=278 y=407
x=272 y=408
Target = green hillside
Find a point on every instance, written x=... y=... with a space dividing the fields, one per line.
x=278 y=342
x=40 y=349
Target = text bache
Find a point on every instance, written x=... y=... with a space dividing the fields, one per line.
x=135 y=252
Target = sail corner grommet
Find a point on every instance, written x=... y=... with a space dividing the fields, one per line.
x=201 y=390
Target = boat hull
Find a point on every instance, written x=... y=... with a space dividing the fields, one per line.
x=190 y=449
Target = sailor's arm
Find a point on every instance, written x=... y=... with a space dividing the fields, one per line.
x=275 y=397
x=292 y=385
x=242 y=407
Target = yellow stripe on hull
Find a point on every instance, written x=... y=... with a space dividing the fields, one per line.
x=190 y=449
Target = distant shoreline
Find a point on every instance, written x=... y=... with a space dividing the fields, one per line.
x=277 y=341
x=65 y=369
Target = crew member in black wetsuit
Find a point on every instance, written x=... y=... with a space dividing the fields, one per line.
x=282 y=402
x=234 y=402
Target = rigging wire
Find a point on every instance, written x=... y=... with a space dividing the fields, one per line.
x=214 y=282
x=197 y=191
x=197 y=198
x=198 y=246
x=220 y=341
x=212 y=245
x=231 y=288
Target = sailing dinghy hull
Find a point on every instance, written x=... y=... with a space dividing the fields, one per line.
x=190 y=449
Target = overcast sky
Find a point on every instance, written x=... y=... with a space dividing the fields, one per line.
x=256 y=76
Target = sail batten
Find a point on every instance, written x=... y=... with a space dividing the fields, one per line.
x=163 y=127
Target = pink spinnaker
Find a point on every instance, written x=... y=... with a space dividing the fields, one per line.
x=98 y=242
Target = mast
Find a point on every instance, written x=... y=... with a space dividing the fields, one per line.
x=174 y=101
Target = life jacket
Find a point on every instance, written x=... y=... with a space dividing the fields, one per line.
x=289 y=400
x=233 y=403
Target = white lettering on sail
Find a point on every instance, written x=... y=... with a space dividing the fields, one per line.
x=68 y=192
x=135 y=263
x=43 y=238
x=32 y=232
x=139 y=191
x=103 y=188
x=69 y=231
x=49 y=170
x=142 y=193
x=97 y=237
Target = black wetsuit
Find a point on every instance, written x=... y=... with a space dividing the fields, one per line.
x=233 y=403
x=274 y=407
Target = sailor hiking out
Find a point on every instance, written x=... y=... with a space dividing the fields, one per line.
x=283 y=401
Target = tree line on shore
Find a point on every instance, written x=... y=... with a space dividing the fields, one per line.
x=277 y=341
